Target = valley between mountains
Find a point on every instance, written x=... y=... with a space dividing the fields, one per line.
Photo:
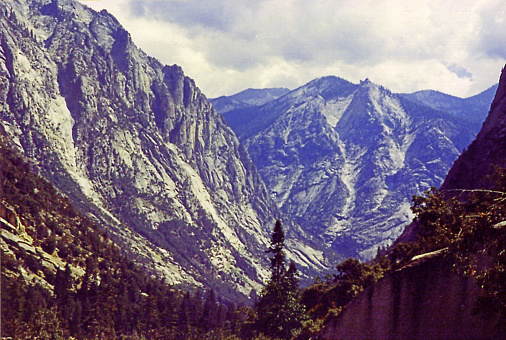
x=192 y=196
x=134 y=207
x=136 y=146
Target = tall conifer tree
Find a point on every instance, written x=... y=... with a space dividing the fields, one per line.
x=279 y=313
x=276 y=248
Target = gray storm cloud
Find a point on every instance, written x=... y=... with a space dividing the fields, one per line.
x=452 y=46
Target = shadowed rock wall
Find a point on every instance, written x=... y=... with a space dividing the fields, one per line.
x=422 y=301
x=471 y=169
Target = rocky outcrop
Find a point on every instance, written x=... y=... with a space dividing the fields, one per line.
x=15 y=240
x=424 y=300
x=137 y=146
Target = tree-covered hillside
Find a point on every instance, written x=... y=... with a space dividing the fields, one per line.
x=63 y=277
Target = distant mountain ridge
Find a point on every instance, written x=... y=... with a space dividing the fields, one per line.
x=138 y=147
x=247 y=98
x=473 y=108
x=343 y=159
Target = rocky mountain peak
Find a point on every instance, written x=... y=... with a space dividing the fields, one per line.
x=63 y=10
x=373 y=112
x=373 y=88
x=328 y=88
x=247 y=98
x=497 y=115
x=344 y=159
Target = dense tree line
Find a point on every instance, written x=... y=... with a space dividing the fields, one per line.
x=278 y=311
x=112 y=310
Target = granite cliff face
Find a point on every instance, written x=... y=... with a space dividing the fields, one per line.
x=344 y=159
x=136 y=145
x=471 y=169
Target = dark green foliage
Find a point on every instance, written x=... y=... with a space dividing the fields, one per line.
x=326 y=298
x=33 y=264
x=208 y=320
x=470 y=225
x=278 y=310
x=278 y=256
x=26 y=312
x=49 y=245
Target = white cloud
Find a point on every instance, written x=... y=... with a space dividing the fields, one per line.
x=456 y=47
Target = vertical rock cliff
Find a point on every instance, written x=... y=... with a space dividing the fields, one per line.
x=137 y=145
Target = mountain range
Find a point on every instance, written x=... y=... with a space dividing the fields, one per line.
x=344 y=159
x=474 y=108
x=247 y=98
x=191 y=196
x=131 y=208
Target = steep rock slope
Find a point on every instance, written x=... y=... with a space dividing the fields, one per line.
x=471 y=169
x=136 y=145
x=345 y=159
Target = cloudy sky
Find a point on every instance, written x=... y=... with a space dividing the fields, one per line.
x=457 y=47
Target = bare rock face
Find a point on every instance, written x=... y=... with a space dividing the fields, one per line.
x=137 y=145
x=423 y=301
x=471 y=169
x=344 y=159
